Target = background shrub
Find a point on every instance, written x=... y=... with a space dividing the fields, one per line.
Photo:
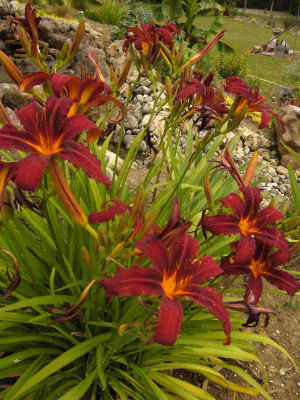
x=231 y=64
x=110 y=12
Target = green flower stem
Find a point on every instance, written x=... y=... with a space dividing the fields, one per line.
x=122 y=131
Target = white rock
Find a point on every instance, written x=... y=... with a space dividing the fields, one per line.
x=282 y=170
x=110 y=159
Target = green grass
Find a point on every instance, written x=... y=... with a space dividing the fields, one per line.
x=245 y=36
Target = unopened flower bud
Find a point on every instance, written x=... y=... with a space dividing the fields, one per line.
x=77 y=39
x=10 y=68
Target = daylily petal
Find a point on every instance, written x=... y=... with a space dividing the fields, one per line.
x=280 y=257
x=269 y=215
x=80 y=156
x=272 y=236
x=156 y=251
x=30 y=171
x=35 y=78
x=75 y=124
x=56 y=115
x=136 y=281
x=12 y=138
x=234 y=202
x=282 y=280
x=93 y=134
x=265 y=118
x=245 y=250
x=210 y=298
x=252 y=200
x=255 y=284
x=118 y=208
x=205 y=269
x=221 y=224
x=28 y=117
x=169 y=321
x=69 y=84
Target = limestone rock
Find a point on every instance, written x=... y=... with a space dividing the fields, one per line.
x=290 y=116
x=110 y=159
x=117 y=58
x=81 y=59
x=12 y=97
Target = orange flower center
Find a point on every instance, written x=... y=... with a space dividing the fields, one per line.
x=172 y=286
x=247 y=226
x=258 y=267
x=47 y=146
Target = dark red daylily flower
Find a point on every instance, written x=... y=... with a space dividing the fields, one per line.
x=8 y=171
x=249 y=221
x=48 y=132
x=264 y=263
x=149 y=39
x=86 y=93
x=148 y=35
x=205 y=100
x=30 y=25
x=250 y=98
x=172 y=276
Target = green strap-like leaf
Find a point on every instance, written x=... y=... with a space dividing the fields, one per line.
x=64 y=359
x=79 y=390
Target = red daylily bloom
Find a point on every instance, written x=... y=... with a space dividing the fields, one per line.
x=264 y=263
x=149 y=39
x=148 y=35
x=205 y=100
x=49 y=132
x=29 y=24
x=251 y=98
x=249 y=221
x=8 y=171
x=86 y=92
x=172 y=276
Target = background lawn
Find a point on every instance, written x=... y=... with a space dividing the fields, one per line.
x=245 y=36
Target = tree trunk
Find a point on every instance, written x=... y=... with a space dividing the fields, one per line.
x=245 y=5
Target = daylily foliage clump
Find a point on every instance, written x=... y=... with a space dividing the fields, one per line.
x=110 y=285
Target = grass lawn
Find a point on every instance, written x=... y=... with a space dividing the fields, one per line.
x=245 y=36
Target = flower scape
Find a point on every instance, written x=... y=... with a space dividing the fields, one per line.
x=106 y=287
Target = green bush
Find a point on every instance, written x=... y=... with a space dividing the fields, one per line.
x=231 y=64
x=110 y=12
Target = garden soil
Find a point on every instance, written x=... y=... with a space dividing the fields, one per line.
x=283 y=328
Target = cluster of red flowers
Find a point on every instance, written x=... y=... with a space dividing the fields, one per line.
x=51 y=131
x=209 y=102
x=147 y=38
x=253 y=253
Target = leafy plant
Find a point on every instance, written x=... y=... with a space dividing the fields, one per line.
x=231 y=64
